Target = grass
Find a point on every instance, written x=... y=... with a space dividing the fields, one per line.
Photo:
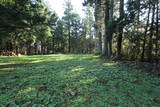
x=74 y=81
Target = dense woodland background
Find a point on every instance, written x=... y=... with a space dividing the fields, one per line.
x=114 y=29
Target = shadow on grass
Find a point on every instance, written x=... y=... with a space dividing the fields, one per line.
x=71 y=80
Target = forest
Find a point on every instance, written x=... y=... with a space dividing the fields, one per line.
x=115 y=29
x=109 y=57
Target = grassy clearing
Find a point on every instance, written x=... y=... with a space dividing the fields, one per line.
x=74 y=81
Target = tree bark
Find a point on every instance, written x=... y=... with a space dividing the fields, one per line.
x=145 y=34
x=106 y=36
x=110 y=28
x=98 y=20
x=157 y=32
x=99 y=42
x=69 y=39
x=150 y=46
x=119 y=40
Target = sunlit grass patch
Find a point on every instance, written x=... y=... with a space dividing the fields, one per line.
x=27 y=90
x=77 y=68
x=7 y=69
x=74 y=81
x=110 y=64
x=2 y=63
x=89 y=80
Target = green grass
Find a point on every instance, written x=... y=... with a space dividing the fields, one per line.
x=74 y=81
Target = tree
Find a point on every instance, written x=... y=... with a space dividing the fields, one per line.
x=67 y=19
x=157 y=32
x=59 y=39
x=150 y=45
x=120 y=28
x=89 y=26
x=23 y=22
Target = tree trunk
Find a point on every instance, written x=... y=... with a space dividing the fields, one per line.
x=28 y=49
x=138 y=30
x=119 y=43
x=53 y=45
x=119 y=40
x=110 y=44
x=69 y=40
x=151 y=35
x=110 y=27
x=145 y=34
x=10 y=46
x=98 y=7
x=99 y=45
x=138 y=7
x=106 y=36
x=35 y=48
x=17 y=50
x=1 y=44
x=157 y=33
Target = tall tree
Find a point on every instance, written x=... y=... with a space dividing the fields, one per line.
x=99 y=23
x=106 y=36
x=145 y=33
x=157 y=32
x=150 y=44
x=111 y=11
x=89 y=23
x=67 y=18
x=119 y=39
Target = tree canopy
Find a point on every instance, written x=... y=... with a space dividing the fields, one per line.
x=111 y=28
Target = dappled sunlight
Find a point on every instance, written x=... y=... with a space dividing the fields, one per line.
x=77 y=68
x=110 y=64
x=27 y=90
x=89 y=80
x=37 y=61
x=14 y=63
x=75 y=75
x=10 y=62
x=64 y=58
x=71 y=81
x=5 y=64
x=49 y=58
x=7 y=69
x=89 y=57
x=79 y=99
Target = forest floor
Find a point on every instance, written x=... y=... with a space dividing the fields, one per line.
x=75 y=81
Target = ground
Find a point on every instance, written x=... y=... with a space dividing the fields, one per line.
x=74 y=81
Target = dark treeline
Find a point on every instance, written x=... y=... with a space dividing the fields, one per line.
x=114 y=29
x=30 y=27
x=128 y=28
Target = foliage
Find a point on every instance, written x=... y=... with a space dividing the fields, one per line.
x=30 y=27
x=134 y=21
